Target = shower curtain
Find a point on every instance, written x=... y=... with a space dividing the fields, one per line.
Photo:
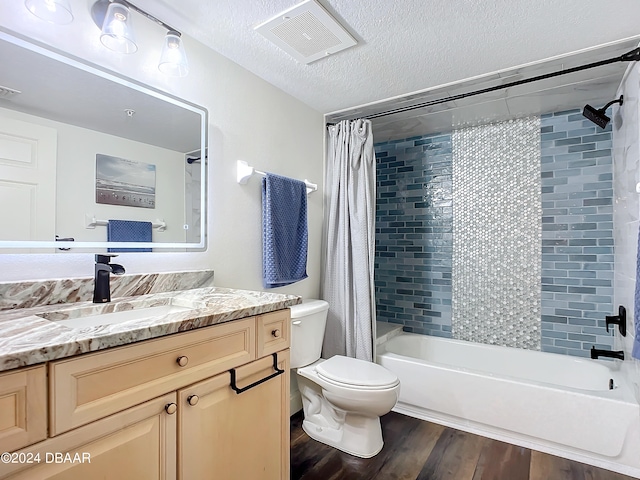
x=347 y=281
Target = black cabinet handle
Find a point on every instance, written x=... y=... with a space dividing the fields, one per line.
x=277 y=372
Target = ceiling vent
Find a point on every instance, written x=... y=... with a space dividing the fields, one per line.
x=307 y=32
x=6 y=92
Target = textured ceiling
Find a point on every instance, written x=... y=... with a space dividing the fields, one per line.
x=404 y=45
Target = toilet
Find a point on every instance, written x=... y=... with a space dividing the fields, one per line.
x=342 y=398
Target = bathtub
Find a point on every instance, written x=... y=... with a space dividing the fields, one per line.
x=572 y=407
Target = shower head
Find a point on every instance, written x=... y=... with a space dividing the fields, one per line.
x=598 y=116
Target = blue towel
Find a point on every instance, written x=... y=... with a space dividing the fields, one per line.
x=284 y=231
x=128 y=231
x=636 y=311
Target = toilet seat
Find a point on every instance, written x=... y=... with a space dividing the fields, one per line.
x=355 y=373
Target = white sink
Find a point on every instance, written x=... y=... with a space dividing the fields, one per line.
x=97 y=319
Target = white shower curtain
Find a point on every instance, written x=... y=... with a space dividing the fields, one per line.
x=347 y=282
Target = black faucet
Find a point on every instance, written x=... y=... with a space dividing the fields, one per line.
x=595 y=353
x=101 y=288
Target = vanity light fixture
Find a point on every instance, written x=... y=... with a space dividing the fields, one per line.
x=117 y=29
x=52 y=11
x=117 y=34
x=173 y=60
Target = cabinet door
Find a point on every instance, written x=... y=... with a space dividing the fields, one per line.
x=138 y=443
x=225 y=435
x=23 y=407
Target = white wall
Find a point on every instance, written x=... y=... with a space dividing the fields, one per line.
x=76 y=177
x=626 y=213
x=249 y=119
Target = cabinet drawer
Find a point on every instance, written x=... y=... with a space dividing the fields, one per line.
x=273 y=332
x=85 y=388
x=23 y=408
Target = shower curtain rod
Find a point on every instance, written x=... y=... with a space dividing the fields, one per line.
x=632 y=56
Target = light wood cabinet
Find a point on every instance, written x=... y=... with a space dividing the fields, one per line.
x=237 y=436
x=88 y=387
x=23 y=402
x=164 y=409
x=138 y=443
x=273 y=332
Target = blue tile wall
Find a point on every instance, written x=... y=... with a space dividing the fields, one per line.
x=577 y=233
x=414 y=221
x=414 y=233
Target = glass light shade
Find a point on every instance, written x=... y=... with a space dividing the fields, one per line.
x=117 y=29
x=52 y=11
x=173 y=60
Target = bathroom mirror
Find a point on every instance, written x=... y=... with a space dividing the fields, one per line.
x=84 y=153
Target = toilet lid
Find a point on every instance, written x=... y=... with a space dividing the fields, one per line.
x=352 y=371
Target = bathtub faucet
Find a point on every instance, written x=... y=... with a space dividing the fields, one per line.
x=595 y=353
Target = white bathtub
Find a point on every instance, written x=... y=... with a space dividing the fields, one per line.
x=553 y=403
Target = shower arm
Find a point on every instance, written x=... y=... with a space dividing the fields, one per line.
x=617 y=100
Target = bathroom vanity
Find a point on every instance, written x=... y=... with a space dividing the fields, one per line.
x=196 y=387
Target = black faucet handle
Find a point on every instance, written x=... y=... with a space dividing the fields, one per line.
x=620 y=320
x=104 y=257
x=609 y=320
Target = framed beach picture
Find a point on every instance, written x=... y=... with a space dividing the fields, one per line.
x=125 y=182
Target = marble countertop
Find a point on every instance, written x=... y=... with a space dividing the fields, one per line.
x=33 y=335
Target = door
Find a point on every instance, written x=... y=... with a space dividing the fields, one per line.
x=225 y=435
x=28 y=155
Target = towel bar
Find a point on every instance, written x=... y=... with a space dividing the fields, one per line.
x=90 y=221
x=238 y=390
x=245 y=171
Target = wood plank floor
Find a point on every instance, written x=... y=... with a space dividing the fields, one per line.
x=418 y=450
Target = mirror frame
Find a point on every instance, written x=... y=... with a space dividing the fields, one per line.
x=30 y=44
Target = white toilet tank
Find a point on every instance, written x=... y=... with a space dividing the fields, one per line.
x=308 y=321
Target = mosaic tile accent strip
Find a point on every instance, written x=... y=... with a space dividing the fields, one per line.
x=413 y=234
x=577 y=234
x=497 y=233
